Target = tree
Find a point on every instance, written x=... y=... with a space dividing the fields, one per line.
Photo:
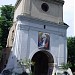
x=71 y=51
x=6 y=21
x=7 y=11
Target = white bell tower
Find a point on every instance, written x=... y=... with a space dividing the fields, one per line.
x=40 y=34
x=50 y=10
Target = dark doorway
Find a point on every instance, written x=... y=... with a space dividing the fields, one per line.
x=41 y=61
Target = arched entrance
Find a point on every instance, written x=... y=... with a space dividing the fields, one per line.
x=43 y=63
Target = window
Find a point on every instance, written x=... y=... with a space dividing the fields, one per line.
x=45 y=7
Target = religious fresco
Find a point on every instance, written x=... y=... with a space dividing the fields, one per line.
x=43 y=40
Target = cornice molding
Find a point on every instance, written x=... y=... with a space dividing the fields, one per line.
x=55 y=1
x=32 y=19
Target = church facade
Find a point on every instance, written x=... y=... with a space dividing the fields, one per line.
x=40 y=35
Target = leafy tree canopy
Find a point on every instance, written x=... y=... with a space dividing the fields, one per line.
x=6 y=21
x=7 y=12
x=71 y=51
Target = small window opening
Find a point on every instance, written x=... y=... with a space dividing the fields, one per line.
x=45 y=7
x=44 y=26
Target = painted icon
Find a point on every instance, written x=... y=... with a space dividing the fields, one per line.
x=43 y=40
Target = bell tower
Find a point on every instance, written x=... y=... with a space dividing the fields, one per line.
x=40 y=34
x=50 y=10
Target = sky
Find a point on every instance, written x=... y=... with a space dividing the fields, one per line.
x=68 y=14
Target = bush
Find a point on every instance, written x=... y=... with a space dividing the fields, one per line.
x=66 y=66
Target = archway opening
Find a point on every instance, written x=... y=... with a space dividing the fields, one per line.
x=43 y=63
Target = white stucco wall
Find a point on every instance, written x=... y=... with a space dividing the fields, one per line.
x=54 y=14
x=33 y=8
x=23 y=41
x=27 y=7
x=58 y=48
x=26 y=40
x=29 y=40
x=18 y=10
x=33 y=41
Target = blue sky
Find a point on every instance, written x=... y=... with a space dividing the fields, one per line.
x=68 y=14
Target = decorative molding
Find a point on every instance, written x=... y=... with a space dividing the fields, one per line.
x=27 y=28
x=39 y=21
x=23 y=27
x=55 y=1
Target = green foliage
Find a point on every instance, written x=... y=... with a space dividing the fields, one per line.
x=27 y=64
x=66 y=66
x=7 y=11
x=71 y=46
x=71 y=51
x=6 y=21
